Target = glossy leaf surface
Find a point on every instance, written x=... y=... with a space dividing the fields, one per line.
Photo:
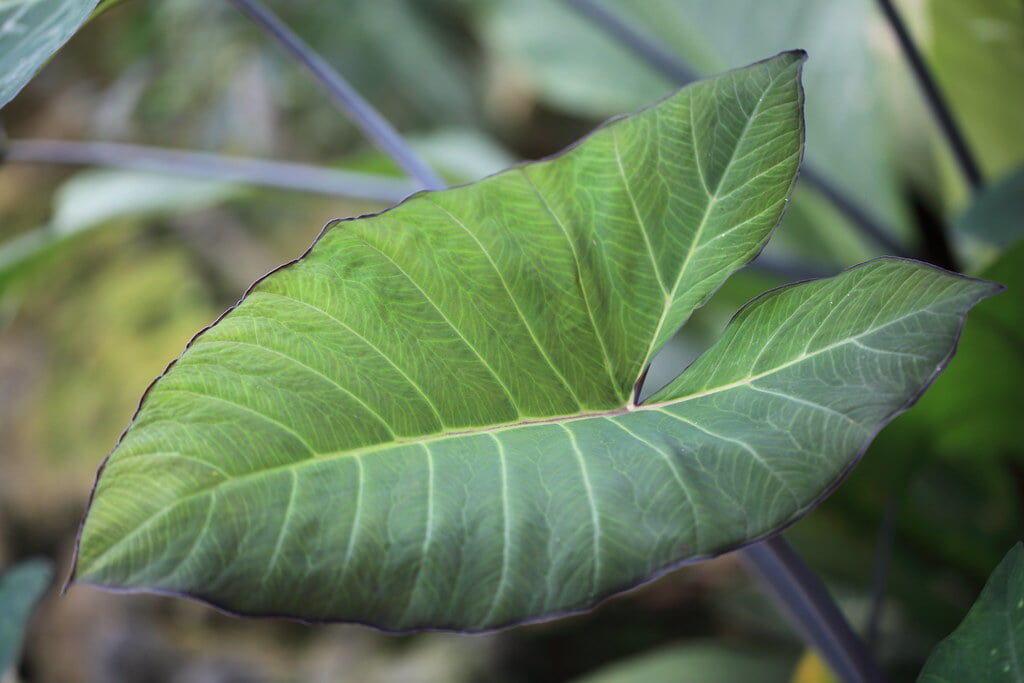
x=21 y=587
x=989 y=644
x=30 y=32
x=428 y=419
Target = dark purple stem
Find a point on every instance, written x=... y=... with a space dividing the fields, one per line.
x=291 y=176
x=805 y=601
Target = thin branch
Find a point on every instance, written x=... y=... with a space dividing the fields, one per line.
x=930 y=89
x=674 y=68
x=375 y=126
x=291 y=176
x=805 y=601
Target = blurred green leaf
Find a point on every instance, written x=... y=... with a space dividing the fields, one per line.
x=977 y=50
x=21 y=587
x=566 y=61
x=989 y=643
x=697 y=663
x=462 y=154
x=94 y=198
x=996 y=214
x=30 y=32
x=396 y=54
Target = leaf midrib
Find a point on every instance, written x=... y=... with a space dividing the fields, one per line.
x=629 y=408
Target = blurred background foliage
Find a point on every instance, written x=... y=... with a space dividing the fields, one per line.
x=105 y=274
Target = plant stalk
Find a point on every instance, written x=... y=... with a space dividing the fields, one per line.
x=675 y=69
x=369 y=120
x=805 y=601
x=286 y=175
x=930 y=89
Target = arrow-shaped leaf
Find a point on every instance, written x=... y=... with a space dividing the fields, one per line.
x=428 y=420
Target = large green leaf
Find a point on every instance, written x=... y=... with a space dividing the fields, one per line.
x=21 y=587
x=30 y=32
x=428 y=420
x=989 y=644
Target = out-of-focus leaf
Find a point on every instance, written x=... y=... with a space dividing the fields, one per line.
x=977 y=50
x=459 y=154
x=30 y=32
x=395 y=53
x=567 y=62
x=462 y=154
x=973 y=410
x=93 y=198
x=697 y=663
x=989 y=643
x=21 y=587
x=997 y=213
